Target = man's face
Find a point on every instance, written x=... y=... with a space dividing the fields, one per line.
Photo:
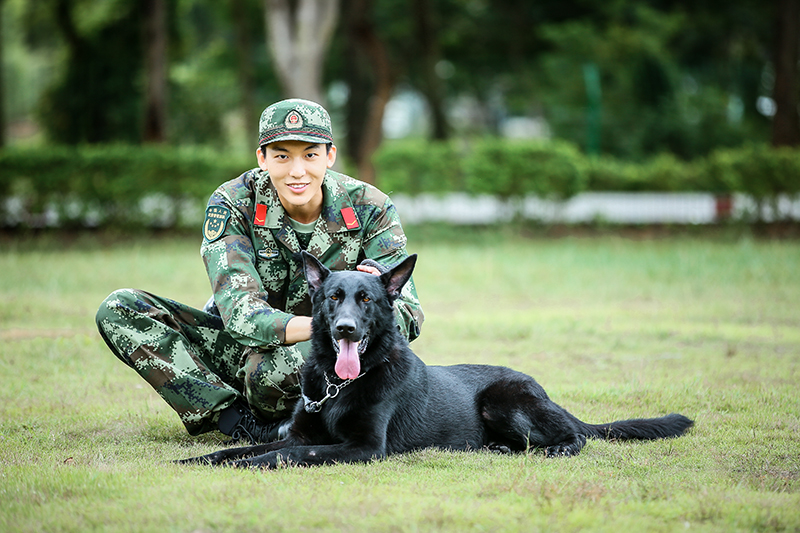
x=297 y=169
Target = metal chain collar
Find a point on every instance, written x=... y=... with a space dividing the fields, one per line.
x=331 y=391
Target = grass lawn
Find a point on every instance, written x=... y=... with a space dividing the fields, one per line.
x=612 y=328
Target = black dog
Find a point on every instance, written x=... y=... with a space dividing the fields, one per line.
x=366 y=395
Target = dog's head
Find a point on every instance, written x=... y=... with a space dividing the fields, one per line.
x=351 y=307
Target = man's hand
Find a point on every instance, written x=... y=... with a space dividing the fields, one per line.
x=369 y=270
x=370 y=266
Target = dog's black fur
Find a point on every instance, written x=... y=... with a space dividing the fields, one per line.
x=399 y=404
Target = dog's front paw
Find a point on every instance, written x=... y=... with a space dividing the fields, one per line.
x=268 y=461
x=566 y=448
x=498 y=448
x=212 y=459
x=561 y=451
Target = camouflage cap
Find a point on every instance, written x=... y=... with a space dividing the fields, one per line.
x=295 y=120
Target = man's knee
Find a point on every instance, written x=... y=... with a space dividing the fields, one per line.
x=113 y=318
x=261 y=373
x=115 y=306
x=272 y=381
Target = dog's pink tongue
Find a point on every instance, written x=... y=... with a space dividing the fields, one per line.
x=347 y=364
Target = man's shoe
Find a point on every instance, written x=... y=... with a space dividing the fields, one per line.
x=238 y=422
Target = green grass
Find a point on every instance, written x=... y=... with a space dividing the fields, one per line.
x=612 y=327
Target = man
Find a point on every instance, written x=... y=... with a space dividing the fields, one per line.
x=234 y=365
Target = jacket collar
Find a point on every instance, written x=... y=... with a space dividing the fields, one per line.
x=335 y=202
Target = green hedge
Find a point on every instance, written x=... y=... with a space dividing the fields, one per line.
x=664 y=173
x=112 y=180
x=419 y=166
x=556 y=169
x=492 y=166
x=516 y=168
x=758 y=171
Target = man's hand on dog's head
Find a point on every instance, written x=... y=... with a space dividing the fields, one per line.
x=370 y=266
x=369 y=270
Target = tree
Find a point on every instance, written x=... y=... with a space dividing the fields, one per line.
x=155 y=96
x=430 y=55
x=245 y=68
x=786 y=122
x=2 y=85
x=371 y=80
x=299 y=33
x=97 y=97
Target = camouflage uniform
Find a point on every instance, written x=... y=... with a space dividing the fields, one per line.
x=201 y=363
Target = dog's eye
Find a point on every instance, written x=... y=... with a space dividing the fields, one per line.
x=365 y=299
x=334 y=297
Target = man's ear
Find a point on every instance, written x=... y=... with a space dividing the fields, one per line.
x=261 y=157
x=396 y=278
x=331 y=156
x=315 y=272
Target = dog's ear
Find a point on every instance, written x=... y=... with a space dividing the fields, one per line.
x=396 y=278
x=315 y=272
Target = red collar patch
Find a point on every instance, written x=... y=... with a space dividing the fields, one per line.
x=260 y=218
x=349 y=216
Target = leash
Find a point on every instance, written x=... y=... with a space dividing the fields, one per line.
x=331 y=391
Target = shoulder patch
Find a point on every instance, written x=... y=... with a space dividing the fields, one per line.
x=216 y=219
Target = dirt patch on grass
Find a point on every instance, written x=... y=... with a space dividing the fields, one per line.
x=24 y=334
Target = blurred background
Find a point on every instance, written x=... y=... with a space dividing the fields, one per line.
x=105 y=102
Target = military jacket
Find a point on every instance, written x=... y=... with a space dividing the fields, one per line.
x=253 y=260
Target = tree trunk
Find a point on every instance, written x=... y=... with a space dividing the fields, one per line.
x=245 y=64
x=432 y=85
x=155 y=98
x=2 y=85
x=370 y=60
x=786 y=122
x=299 y=33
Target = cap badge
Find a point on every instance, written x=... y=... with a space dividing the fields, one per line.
x=293 y=120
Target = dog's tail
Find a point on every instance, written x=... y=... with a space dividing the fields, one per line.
x=672 y=425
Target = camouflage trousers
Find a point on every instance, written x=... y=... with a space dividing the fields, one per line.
x=186 y=355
